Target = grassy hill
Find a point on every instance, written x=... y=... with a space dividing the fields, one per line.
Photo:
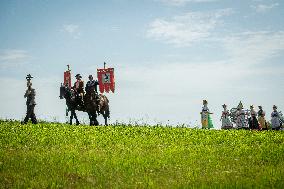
x=62 y=156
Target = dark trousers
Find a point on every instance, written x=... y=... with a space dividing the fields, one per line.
x=30 y=114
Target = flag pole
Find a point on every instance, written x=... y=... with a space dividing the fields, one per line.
x=104 y=65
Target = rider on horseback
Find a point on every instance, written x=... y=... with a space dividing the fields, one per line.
x=79 y=90
x=92 y=85
x=92 y=89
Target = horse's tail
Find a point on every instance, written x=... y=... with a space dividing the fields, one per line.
x=107 y=111
x=106 y=99
x=106 y=106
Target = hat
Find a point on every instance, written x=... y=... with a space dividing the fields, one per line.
x=251 y=106
x=78 y=75
x=240 y=106
x=274 y=106
x=260 y=107
x=29 y=77
x=224 y=105
x=90 y=76
x=205 y=102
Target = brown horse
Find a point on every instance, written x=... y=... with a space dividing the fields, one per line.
x=96 y=104
x=104 y=107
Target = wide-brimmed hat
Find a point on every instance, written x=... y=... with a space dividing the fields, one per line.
x=78 y=75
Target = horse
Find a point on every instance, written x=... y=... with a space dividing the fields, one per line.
x=92 y=105
x=91 y=108
x=97 y=104
x=104 y=107
x=71 y=102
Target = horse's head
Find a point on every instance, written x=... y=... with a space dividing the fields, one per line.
x=62 y=92
x=65 y=92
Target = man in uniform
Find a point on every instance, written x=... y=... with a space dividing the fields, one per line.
x=79 y=89
x=92 y=85
x=92 y=89
x=30 y=95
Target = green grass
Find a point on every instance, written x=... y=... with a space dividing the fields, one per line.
x=63 y=156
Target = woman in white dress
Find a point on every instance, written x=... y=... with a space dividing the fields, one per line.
x=226 y=122
x=241 y=122
x=275 y=119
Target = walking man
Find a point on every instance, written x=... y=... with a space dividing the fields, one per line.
x=30 y=95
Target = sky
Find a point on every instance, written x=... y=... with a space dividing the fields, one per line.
x=168 y=55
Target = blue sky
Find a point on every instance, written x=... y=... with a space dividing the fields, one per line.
x=168 y=55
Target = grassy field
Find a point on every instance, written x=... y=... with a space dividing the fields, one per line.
x=63 y=156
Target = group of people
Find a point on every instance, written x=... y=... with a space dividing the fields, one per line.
x=249 y=119
x=91 y=89
x=242 y=119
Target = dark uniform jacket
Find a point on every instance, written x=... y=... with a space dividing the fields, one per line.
x=92 y=86
x=30 y=95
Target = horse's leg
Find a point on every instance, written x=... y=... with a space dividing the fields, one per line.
x=96 y=123
x=106 y=110
x=75 y=116
x=71 y=117
x=104 y=113
x=105 y=120
x=90 y=118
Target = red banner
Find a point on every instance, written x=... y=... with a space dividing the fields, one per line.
x=67 y=79
x=106 y=79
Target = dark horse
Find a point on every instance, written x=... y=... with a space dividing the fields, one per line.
x=96 y=104
x=71 y=102
x=91 y=105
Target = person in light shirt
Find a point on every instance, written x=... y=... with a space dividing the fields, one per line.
x=275 y=119
x=241 y=122
x=226 y=122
